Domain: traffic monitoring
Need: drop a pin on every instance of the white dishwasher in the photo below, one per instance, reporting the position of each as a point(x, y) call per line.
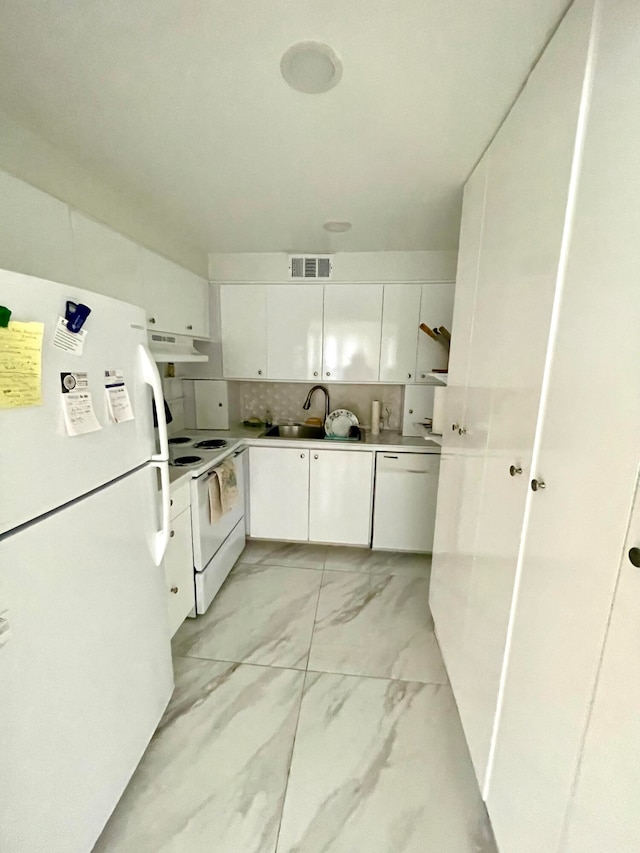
point(404, 514)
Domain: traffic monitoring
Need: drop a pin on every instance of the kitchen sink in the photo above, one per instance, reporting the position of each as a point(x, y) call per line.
point(311, 433)
point(303, 432)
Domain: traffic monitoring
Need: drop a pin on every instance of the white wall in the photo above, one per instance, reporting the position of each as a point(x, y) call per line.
point(346, 266)
point(31, 158)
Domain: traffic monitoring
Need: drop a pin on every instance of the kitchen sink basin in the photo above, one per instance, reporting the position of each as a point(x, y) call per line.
point(311, 433)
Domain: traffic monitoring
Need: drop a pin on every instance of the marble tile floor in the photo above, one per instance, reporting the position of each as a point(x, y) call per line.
point(311, 714)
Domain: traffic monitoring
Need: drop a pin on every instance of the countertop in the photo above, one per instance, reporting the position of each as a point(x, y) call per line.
point(254, 437)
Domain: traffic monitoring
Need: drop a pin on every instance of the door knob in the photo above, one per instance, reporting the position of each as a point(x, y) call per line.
point(513, 470)
point(172, 534)
point(189, 327)
point(259, 373)
point(538, 484)
point(152, 319)
point(174, 590)
point(454, 427)
point(462, 431)
point(634, 557)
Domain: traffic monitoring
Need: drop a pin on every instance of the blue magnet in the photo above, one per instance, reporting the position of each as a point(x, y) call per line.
point(75, 315)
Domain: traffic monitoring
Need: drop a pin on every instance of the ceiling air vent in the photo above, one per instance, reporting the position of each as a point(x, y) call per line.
point(307, 266)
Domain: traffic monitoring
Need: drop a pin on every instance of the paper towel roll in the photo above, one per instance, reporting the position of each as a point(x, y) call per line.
point(375, 417)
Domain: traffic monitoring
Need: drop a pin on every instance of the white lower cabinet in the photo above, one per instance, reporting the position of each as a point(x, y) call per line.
point(279, 493)
point(304, 495)
point(340, 496)
point(178, 570)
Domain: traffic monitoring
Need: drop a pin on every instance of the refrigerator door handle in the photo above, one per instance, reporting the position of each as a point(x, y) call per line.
point(161, 537)
point(151, 376)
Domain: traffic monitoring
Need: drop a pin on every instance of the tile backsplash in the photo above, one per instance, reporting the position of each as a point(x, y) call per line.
point(285, 399)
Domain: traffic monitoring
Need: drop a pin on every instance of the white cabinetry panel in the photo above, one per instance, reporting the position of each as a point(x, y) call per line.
point(405, 501)
point(436, 309)
point(400, 321)
point(340, 497)
point(352, 329)
point(294, 331)
point(178, 571)
point(243, 310)
point(279, 493)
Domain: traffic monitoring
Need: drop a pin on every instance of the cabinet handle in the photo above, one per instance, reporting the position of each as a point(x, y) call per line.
point(634, 557)
point(513, 470)
point(259, 373)
point(174, 590)
point(328, 374)
point(152, 319)
point(408, 376)
point(423, 376)
point(315, 372)
point(171, 502)
point(172, 534)
point(538, 484)
point(315, 455)
point(302, 456)
point(189, 327)
point(462, 431)
point(454, 427)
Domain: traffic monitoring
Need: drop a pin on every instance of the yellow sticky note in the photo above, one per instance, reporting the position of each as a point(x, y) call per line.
point(21, 365)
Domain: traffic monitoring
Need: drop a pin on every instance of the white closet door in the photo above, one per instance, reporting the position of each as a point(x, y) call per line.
point(352, 327)
point(243, 315)
point(400, 321)
point(577, 525)
point(605, 813)
point(526, 202)
point(294, 331)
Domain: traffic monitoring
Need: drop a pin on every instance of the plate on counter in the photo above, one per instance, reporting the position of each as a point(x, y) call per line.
point(339, 422)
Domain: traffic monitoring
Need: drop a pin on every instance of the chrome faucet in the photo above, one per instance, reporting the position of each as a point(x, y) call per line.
point(307, 403)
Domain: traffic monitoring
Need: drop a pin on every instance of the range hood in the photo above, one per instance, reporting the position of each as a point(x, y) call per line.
point(174, 348)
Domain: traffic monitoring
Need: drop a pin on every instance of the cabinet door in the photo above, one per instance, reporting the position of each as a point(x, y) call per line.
point(243, 315)
point(192, 314)
point(436, 309)
point(400, 321)
point(352, 327)
point(178, 571)
point(294, 331)
point(159, 292)
point(279, 493)
point(340, 497)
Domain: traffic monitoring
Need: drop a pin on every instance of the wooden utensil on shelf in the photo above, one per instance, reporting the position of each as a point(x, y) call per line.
point(437, 334)
point(445, 333)
point(428, 331)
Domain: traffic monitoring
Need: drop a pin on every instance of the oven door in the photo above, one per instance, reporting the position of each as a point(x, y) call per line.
point(208, 536)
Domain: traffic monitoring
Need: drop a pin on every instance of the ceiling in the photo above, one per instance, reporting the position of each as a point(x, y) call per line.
point(180, 103)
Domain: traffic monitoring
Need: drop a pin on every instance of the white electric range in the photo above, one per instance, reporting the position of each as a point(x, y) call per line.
point(216, 544)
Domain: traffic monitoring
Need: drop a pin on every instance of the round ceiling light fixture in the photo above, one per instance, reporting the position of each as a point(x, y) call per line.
point(337, 227)
point(311, 67)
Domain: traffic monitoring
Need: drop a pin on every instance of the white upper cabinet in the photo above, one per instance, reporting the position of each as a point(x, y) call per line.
point(352, 331)
point(106, 262)
point(175, 299)
point(294, 331)
point(400, 321)
point(243, 314)
point(436, 309)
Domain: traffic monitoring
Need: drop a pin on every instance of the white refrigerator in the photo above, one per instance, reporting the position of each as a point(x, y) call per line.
point(85, 663)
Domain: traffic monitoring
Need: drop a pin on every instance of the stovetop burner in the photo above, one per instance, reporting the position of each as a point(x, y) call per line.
point(211, 444)
point(187, 460)
point(180, 439)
